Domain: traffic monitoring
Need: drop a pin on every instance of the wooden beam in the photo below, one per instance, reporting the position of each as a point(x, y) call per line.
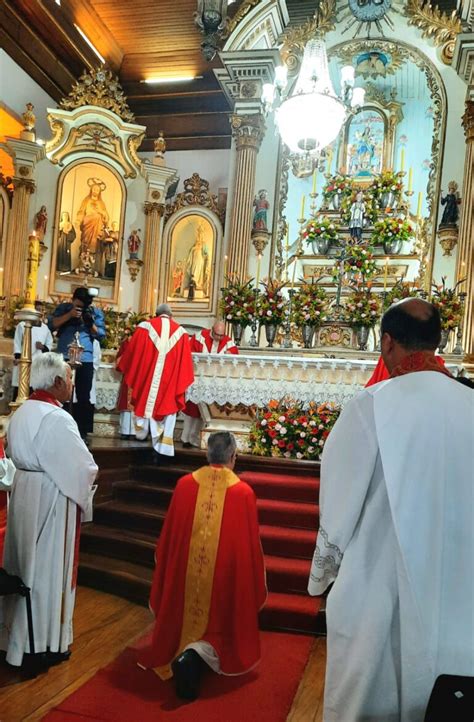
point(222, 142)
point(82, 13)
point(212, 102)
point(195, 125)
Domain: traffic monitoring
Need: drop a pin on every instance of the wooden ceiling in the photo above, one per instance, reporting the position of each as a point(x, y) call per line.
point(139, 39)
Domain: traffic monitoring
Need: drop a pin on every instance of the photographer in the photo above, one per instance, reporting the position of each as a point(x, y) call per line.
point(80, 315)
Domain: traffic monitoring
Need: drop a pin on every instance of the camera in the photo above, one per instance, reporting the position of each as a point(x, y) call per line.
point(88, 317)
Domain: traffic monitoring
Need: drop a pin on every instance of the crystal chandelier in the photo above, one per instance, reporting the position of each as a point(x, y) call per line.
point(310, 118)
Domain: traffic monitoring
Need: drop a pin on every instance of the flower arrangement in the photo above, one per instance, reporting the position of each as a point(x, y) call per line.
point(359, 260)
point(271, 304)
point(398, 292)
point(448, 303)
point(117, 324)
point(285, 428)
point(238, 301)
point(387, 182)
point(391, 229)
point(362, 308)
point(310, 305)
point(320, 228)
point(337, 185)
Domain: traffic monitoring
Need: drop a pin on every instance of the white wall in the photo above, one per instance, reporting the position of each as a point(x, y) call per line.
point(17, 89)
point(212, 165)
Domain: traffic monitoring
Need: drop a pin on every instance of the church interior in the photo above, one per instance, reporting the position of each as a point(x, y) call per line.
point(289, 167)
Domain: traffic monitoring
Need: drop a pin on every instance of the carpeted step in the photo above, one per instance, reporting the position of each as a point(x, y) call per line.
point(115, 576)
point(282, 486)
point(287, 513)
point(162, 475)
point(151, 493)
point(124, 544)
point(287, 575)
point(139, 517)
point(287, 542)
point(294, 612)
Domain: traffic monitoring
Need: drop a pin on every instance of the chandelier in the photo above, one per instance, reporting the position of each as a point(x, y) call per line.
point(310, 118)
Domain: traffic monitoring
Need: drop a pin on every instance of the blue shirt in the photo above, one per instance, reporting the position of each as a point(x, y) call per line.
point(65, 333)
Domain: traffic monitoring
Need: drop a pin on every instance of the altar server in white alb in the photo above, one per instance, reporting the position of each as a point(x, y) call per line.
point(52, 492)
point(207, 341)
point(396, 532)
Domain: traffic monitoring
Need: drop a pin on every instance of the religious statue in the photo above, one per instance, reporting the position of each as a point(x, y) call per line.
point(261, 206)
point(197, 264)
point(177, 275)
point(134, 242)
point(191, 288)
point(66, 237)
point(451, 200)
point(111, 246)
point(356, 222)
point(365, 149)
point(41, 223)
point(29, 118)
point(160, 146)
point(92, 218)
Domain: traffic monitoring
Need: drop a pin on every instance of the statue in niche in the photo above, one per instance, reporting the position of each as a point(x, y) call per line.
point(111, 246)
point(261, 206)
point(41, 223)
point(92, 218)
point(451, 202)
point(356, 221)
point(160, 145)
point(197, 266)
point(177, 278)
point(67, 236)
point(134, 242)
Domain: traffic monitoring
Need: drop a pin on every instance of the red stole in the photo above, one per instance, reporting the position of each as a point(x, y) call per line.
point(42, 395)
point(420, 361)
point(380, 372)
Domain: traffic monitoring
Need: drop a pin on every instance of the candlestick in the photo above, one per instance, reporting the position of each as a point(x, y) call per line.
point(302, 206)
point(32, 271)
point(294, 273)
point(225, 270)
point(385, 276)
point(420, 199)
point(314, 181)
point(259, 260)
point(410, 179)
point(1, 281)
point(402, 160)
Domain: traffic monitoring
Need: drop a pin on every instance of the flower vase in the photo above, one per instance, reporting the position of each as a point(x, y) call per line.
point(336, 201)
point(307, 333)
point(320, 246)
point(387, 200)
point(392, 247)
point(444, 339)
point(237, 331)
point(270, 333)
point(362, 333)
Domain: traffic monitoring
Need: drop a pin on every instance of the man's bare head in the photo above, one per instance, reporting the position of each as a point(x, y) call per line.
point(408, 326)
point(218, 330)
point(163, 310)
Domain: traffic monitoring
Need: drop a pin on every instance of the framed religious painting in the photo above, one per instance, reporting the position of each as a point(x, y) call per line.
point(364, 144)
point(87, 238)
point(193, 239)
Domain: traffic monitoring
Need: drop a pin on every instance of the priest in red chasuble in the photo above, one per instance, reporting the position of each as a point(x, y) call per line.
point(157, 365)
point(207, 341)
point(209, 580)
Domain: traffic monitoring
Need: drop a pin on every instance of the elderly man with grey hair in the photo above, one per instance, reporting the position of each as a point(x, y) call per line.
point(158, 367)
point(209, 580)
point(52, 491)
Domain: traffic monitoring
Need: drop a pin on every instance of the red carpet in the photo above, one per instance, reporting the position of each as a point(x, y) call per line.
point(124, 693)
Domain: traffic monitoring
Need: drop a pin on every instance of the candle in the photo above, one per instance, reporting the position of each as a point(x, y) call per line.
point(410, 180)
point(385, 276)
point(32, 270)
point(287, 249)
point(314, 182)
point(302, 206)
point(226, 258)
point(329, 160)
point(420, 199)
point(259, 260)
point(1, 281)
point(402, 160)
point(294, 273)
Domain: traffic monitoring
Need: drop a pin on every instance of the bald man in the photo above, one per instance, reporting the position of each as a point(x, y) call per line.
point(396, 534)
point(206, 341)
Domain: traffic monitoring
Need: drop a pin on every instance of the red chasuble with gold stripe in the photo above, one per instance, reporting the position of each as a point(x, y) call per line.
point(157, 365)
point(209, 580)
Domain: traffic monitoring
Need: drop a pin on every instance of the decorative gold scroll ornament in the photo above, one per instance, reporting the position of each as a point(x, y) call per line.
point(440, 27)
point(196, 193)
point(243, 10)
point(323, 22)
point(99, 87)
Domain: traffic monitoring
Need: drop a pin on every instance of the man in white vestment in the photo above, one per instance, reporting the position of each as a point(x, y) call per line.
point(52, 490)
point(396, 531)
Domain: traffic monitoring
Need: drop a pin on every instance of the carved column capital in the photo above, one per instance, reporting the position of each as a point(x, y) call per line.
point(27, 183)
point(151, 207)
point(248, 130)
point(468, 121)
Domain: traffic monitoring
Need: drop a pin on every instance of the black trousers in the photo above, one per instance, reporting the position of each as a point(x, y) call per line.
point(83, 410)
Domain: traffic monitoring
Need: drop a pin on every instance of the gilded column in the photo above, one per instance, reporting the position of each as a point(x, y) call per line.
point(248, 132)
point(151, 257)
point(16, 247)
point(465, 257)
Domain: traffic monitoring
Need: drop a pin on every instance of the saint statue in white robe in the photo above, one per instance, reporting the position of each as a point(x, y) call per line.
point(52, 488)
point(397, 539)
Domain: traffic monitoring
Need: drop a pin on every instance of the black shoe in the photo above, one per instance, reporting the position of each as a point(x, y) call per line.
point(186, 445)
point(53, 658)
point(187, 669)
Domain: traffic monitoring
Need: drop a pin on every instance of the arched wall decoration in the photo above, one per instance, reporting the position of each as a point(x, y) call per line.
point(91, 198)
point(192, 243)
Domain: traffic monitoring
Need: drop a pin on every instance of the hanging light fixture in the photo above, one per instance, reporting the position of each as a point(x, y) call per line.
point(311, 117)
